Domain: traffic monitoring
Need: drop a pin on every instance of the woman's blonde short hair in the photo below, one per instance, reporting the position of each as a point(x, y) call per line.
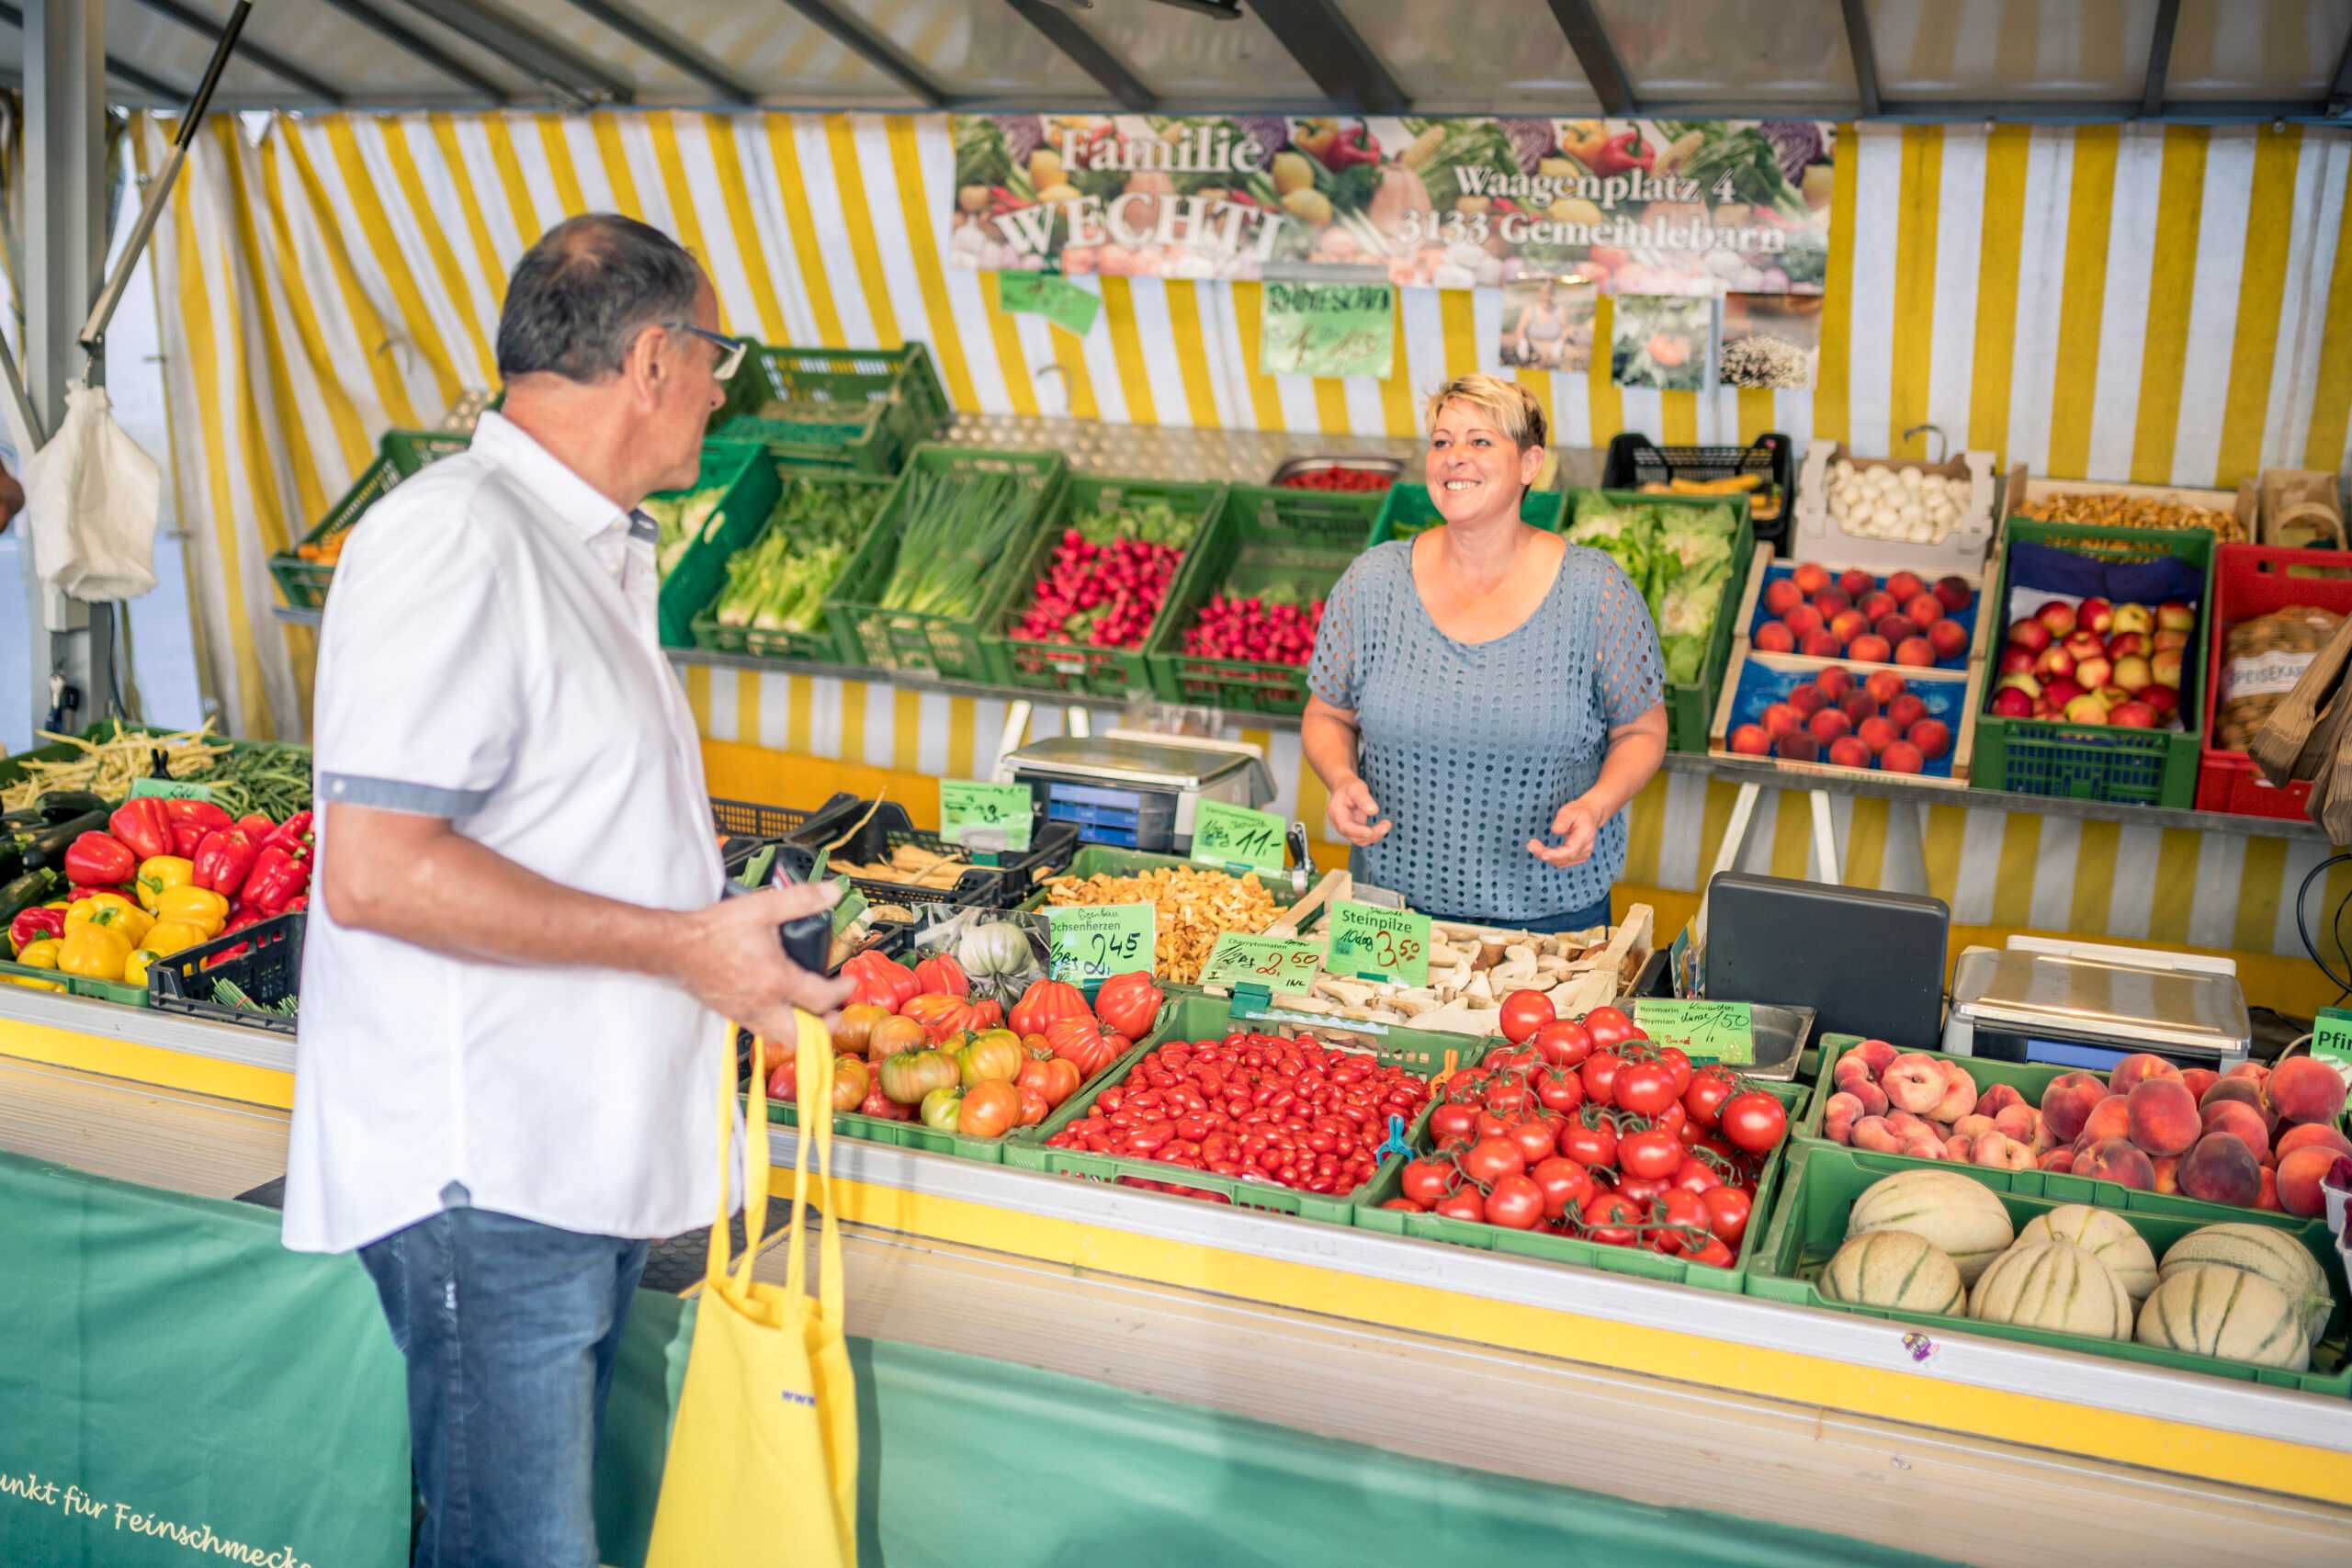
point(1510, 407)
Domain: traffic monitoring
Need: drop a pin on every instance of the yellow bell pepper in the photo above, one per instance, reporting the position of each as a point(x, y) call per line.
point(199, 906)
point(93, 952)
point(112, 909)
point(175, 936)
point(134, 969)
point(160, 874)
point(41, 954)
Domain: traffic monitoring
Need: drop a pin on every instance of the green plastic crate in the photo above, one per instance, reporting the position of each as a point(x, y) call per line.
point(910, 641)
point(1196, 1017)
point(1095, 671)
point(2130, 767)
point(1408, 510)
point(822, 645)
point(1638, 1261)
point(401, 454)
point(858, 408)
point(749, 480)
point(1261, 536)
point(1824, 1181)
point(73, 985)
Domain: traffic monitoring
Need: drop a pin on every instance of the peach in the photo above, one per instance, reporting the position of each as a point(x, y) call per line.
point(1904, 1123)
point(2240, 1121)
point(2199, 1080)
point(1914, 1082)
point(1959, 1093)
point(2245, 1091)
point(1782, 595)
point(1960, 1146)
point(2060, 1159)
point(1773, 636)
point(1850, 1069)
point(1874, 1098)
point(2268, 1197)
point(1804, 620)
point(1834, 683)
point(1871, 1132)
point(2137, 1069)
point(1808, 699)
point(2304, 1088)
point(2222, 1169)
point(2167, 1173)
point(2066, 1104)
point(2001, 1153)
point(1810, 578)
point(1922, 1145)
point(1822, 644)
point(2116, 1160)
point(1974, 1125)
point(2299, 1174)
point(1997, 1099)
point(2019, 1121)
point(2305, 1134)
point(1839, 1116)
point(2254, 1070)
point(2110, 1118)
point(1878, 1054)
point(2044, 1139)
point(2163, 1116)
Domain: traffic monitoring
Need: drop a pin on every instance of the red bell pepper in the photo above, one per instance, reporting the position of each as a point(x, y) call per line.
point(237, 922)
point(293, 834)
point(76, 891)
point(102, 859)
point(224, 860)
point(144, 826)
point(295, 905)
point(279, 874)
point(188, 836)
point(33, 925)
point(1618, 155)
point(1357, 146)
point(257, 826)
point(202, 811)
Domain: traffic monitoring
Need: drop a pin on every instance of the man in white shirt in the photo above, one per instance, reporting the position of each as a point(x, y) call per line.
point(514, 985)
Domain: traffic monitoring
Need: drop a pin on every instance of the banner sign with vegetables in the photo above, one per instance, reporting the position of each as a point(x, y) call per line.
point(1636, 206)
point(1326, 328)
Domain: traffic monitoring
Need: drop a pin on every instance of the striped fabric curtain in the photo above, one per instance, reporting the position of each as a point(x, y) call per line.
point(2140, 303)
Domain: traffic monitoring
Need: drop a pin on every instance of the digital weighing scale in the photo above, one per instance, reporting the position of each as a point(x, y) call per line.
point(2078, 1004)
point(1137, 790)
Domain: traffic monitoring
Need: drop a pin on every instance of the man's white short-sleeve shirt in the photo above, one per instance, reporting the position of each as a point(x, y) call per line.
point(489, 655)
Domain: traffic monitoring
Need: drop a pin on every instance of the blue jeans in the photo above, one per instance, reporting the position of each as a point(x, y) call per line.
point(509, 1329)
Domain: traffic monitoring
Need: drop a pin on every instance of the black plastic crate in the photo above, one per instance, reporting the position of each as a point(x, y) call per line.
point(269, 971)
point(1052, 845)
point(1635, 460)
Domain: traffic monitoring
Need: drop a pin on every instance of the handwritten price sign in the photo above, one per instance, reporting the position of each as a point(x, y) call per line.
point(1235, 835)
point(169, 789)
point(1278, 966)
point(1722, 1032)
point(1097, 941)
point(1379, 944)
point(985, 816)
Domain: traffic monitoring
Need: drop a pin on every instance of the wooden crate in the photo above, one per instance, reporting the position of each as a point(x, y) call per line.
point(2238, 508)
point(1966, 696)
point(1818, 536)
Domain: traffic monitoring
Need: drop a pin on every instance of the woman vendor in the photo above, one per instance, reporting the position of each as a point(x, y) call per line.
point(1485, 697)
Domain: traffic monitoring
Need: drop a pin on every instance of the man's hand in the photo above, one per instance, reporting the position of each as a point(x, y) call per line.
point(1351, 814)
point(1577, 826)
point(12, 498)
point(731, 961)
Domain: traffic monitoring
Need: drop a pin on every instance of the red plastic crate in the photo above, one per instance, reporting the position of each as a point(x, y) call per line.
point(2250, 581)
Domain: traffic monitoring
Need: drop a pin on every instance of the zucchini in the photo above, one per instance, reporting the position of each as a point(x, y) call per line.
point(31, 888)
point(12, 858)
point(65, 805)
point(48, 847)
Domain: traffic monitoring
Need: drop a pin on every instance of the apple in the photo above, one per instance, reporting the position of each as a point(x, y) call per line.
point(2136, 715)
point(1906, 586)
point(1828, 725)
point(2059, 692)
point(1848, 625)
point(2095, 615)
point(2176, 618)
point(2164, 668)
point(1949, 639)
point(2014, 659)
point(2055, 662)
point(1906, 710)
point(2133, 673)
point(1931, 735)
point(1903, 757)
point(1847, 753)
point(2084, 645)
point(2011, 702)
point(2111, 697)
point(2165, 639)
point(1857, 707)
point(1856, 582)
point(1803, 619)
point(2163, 699)
point(1810, 578)
point(1916, 651)
point(1883, 686)
point(1954, 593)
point(1774, 638)
point(1877, 605)
point(1782, 595)
point(1808, 699)
point(1829, 600)
point(1822, 644)
point(1751, 741)
point(2123, 644)
point(1877, 732)
point(2030, 633)
point(1800, 747)
point(2095, 671)
point(2134, 618)
point(2020, 681)
point(2087, 710)
point(1871, 649)
point(1925, 609)
point(1835, 682)
point(1780, 719)
point(2058, 615)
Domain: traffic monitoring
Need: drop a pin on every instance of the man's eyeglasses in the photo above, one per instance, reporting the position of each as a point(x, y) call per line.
point(731, 349)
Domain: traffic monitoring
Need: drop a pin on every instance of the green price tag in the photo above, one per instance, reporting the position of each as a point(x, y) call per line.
point(1065, 304)
point(1368, 943)
point(169, 789)
point(2332, 1035)
point(1095, 942)
point(1722, 1032)
point(985, 816)
point(1234, 835)
point(1261, 960)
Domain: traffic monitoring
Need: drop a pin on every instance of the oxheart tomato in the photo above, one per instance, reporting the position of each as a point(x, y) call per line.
point(1491, 1159)
point(1034, 1108)
point(1516, 1203)
point(882, 1107)
point(1754, 1121)
point(851, 1080)
point(1565, 1044)
point(1128, 1004)
point(1566, 1185)
point(1610, 1027)
point(1590, 1143)
point(1651, 1155)
point(1599, 1072)
point(1524, 1012)
point(1704, 1101)
point(1644, 1088)
point(990, 1109)
point(1534, 1140)
point(1728, 1212)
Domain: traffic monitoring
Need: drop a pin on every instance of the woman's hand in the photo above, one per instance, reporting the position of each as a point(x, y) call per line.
point(1351, 814)
point(1577, 826)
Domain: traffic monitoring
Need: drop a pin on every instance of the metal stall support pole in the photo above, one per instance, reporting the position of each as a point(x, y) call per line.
point(64, 256)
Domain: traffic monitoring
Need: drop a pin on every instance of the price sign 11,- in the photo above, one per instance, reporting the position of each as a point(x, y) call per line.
point(1095, 942)
point(1226, 835)
point(985, 816)
point(1278, 966)
point(1371, 944)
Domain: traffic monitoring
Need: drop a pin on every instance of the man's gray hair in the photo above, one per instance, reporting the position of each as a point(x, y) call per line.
point(581, 295)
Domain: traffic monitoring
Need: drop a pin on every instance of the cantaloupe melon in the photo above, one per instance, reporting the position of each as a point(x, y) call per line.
point(1893, 1268)
point(2106, 1236)
point(2268, 1253)
point(1960, 1216)
point(2053, 1285)
point(2211, 1308)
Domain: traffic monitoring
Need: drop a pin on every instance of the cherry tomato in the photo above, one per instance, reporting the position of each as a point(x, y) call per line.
point(1565, 1044)
point(1644, 1088)
point(1491, 1159)
point(1710, 1087)
point(1464, 1206)
point(1524, 1012)
point(1651, 1155)
point(1516, 1203)
point(1599, 1073)
point(1610, 1027)
point(1534, 1140)
point(1754, 1121)
point(1728, 1212)
point(1589, 1142)
point(1566, 1185)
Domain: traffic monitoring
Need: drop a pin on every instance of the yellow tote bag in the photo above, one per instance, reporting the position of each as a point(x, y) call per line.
point(763, 1465)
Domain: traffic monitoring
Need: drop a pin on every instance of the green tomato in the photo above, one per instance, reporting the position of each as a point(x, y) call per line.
point(940, 1109)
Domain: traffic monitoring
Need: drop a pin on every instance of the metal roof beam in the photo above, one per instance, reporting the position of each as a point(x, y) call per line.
point(156, 86)
point(663, 46)
point(416, 43)
point(1597, 55)
point(1858, 45)
point(270, 60)
point(2339, 95)
point(876, 51)
point(1087, 52)
point(526, 48)
point(1329, 49)
point(2152, 99)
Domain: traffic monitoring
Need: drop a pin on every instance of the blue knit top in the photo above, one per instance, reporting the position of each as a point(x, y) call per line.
point(1470, 748)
